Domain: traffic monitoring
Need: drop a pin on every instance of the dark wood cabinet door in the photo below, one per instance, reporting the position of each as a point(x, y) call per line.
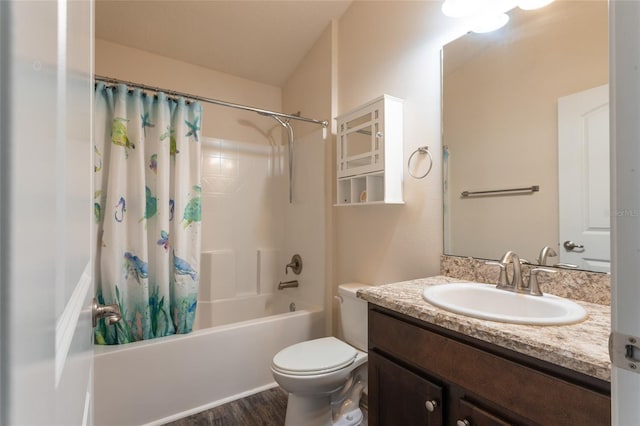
point(399, 397)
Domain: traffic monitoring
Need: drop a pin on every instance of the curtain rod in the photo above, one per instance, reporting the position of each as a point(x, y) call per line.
point(261, 111)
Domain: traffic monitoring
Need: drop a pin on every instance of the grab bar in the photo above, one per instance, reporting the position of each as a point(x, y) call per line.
point(534, 188)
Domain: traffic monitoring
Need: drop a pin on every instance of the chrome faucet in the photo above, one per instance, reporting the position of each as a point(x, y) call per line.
point(544, 253)
point(516, 284)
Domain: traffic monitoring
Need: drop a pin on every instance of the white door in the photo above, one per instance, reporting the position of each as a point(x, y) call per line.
point(45, 184)
point(624, 18)
point(583, 179)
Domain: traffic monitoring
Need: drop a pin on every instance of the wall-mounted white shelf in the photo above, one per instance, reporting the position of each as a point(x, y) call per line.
point(369, 153)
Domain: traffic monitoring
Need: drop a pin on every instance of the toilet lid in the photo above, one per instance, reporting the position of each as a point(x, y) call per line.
point(314, 357)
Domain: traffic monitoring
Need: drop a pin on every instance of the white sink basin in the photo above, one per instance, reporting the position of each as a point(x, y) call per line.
point(484, 301)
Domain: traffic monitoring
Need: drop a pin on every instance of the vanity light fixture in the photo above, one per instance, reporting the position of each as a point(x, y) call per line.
point(533, 4)
point(469, 8)
point(487, 15)
point(490, 22)
point(462, 8)
point(490, 15)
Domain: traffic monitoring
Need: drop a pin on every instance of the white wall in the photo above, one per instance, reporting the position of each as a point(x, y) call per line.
point(304, 225)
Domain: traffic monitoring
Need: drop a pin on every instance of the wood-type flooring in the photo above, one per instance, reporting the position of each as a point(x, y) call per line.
point(266, 408)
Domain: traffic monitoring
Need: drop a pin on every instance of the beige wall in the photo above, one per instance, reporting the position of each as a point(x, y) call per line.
point(122, 62)
point(394, 48)
point(380, 47)
point(309, 89)
point(501, 125)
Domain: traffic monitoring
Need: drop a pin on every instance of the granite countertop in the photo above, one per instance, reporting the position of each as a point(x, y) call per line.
point(580, 347)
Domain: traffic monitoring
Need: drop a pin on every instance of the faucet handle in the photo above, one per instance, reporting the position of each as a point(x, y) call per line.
point(295, 265)
point(544, 254)
point(502, 278)
point(534, 287)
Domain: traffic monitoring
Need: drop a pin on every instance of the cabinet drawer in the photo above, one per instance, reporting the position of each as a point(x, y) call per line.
point(476, 416)
point(522, 390)
point(400, 397)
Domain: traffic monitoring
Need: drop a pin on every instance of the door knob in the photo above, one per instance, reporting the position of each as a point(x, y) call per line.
point(111, 313)
point(570, 245)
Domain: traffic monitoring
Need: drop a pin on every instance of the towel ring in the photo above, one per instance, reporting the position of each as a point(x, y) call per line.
point(421, 150)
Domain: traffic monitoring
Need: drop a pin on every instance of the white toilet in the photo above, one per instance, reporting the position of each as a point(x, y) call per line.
point(325, 377)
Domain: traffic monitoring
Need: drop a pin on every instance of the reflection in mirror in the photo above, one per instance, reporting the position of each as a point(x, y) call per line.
point(507, 98)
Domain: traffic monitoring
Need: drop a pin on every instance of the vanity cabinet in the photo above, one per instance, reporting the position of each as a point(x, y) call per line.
point(369, 153)
point(408, 398)
point(422, 374)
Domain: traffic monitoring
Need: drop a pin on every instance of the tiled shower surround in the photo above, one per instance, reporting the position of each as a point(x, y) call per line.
point(243, 205)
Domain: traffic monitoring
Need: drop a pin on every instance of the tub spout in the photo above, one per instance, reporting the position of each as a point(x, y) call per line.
point(287, 284)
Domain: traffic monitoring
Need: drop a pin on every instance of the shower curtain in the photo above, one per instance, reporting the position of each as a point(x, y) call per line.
point(147, 212)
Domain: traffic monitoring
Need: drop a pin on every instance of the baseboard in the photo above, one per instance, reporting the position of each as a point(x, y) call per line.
point(211, 405)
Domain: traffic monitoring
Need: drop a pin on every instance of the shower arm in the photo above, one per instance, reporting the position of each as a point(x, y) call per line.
point(289, 128)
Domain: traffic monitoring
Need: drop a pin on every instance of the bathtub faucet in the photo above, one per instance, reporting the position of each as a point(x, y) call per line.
point(287, 284)
point(110, 313)
point(295, 265)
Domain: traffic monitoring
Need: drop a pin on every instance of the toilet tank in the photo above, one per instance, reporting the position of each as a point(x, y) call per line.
point(353, 315)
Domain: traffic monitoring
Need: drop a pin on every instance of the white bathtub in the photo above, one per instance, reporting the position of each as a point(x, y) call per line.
point(160, 380)
point(239, 309)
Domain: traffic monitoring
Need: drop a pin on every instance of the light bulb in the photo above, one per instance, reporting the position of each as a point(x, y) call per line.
point(533, 4)
point(461, 8)
point(490, 22)
point(465, 8)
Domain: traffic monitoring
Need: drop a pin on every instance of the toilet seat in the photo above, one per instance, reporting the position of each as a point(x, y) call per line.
point(313, 357)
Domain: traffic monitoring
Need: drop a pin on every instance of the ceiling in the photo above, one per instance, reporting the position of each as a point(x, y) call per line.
point(261, 40)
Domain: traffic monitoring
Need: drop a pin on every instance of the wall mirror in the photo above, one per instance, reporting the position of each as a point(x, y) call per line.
point(527, 106)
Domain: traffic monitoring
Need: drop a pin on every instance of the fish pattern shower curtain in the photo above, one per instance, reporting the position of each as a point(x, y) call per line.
point(147, 212)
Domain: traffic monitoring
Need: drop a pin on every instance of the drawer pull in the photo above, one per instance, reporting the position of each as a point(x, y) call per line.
point(431, 405)
point(463, 422)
